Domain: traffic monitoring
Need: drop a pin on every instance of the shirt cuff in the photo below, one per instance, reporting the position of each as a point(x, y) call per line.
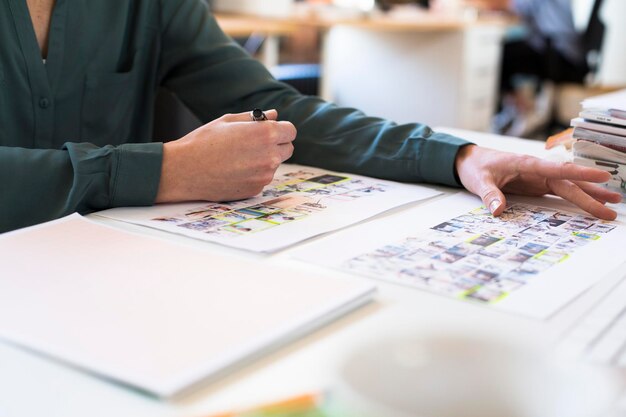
point(438, 159)
point(136, 174)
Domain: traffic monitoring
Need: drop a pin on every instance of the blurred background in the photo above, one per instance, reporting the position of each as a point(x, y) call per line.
point(513, 67)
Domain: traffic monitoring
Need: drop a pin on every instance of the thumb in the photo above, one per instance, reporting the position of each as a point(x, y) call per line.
point(493, 198)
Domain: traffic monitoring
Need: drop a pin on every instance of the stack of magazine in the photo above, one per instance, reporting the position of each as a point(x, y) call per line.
point(600, 136)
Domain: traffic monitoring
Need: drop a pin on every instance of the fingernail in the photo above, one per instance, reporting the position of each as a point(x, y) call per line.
point(494, 205)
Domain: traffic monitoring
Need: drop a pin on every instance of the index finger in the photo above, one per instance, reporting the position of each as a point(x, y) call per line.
point(270, 131)
point(561, 170)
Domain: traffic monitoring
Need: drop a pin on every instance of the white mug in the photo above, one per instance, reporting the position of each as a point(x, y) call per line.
point(464, 376)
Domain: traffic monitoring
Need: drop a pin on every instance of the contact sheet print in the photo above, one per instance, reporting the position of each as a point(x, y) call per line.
point(531, 260)
point(301, 202)
point(481, 257)
point(292, 196)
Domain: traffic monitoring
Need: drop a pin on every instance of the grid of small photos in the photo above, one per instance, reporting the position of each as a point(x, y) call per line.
point(483, 258)
point(290, 197)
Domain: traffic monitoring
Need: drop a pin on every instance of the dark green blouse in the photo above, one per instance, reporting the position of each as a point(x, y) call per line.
point(76, 133)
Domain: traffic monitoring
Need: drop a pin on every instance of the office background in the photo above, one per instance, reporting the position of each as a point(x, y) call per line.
point(402, 61)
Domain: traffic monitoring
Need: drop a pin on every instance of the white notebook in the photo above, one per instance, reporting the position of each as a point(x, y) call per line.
point(155, 315)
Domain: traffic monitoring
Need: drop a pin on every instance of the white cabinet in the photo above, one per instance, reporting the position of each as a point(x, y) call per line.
point(444, 77)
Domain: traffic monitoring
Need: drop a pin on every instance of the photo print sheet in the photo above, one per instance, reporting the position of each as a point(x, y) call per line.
point(532, 260)
point(301, 202)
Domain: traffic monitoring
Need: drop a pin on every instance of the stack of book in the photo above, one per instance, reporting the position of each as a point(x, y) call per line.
point(600, 136)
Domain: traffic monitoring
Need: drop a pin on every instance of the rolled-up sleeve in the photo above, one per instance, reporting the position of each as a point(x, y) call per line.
point(43, 184)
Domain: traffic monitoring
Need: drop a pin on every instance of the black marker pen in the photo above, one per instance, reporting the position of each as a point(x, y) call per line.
point(258, 115)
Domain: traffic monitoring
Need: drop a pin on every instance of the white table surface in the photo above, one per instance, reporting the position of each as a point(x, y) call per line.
point(34, 386)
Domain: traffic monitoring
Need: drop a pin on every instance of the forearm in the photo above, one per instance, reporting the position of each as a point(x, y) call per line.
point(345, 139)
point(39, 185)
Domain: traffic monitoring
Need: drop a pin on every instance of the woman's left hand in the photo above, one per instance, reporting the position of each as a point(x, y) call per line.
point(489, 174)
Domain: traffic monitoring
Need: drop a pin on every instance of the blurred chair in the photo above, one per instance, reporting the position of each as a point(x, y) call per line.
point(563, 84)
point(303, 77)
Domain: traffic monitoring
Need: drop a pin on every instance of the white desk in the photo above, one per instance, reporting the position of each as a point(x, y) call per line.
point(33, 386)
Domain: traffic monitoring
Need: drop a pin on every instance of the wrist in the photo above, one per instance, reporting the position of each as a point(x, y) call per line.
point(170, 185)
point(464, 153)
